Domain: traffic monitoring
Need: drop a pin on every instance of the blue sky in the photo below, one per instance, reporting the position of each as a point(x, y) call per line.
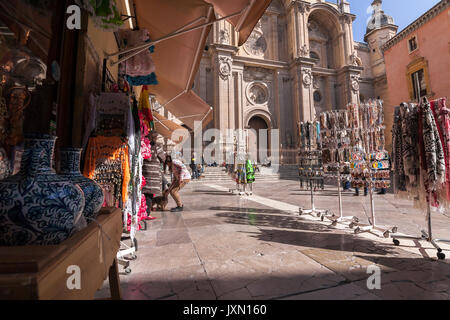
point(403, 11)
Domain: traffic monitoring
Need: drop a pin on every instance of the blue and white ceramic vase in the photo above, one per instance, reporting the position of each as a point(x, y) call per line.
point(37, 206)
point(70, 168)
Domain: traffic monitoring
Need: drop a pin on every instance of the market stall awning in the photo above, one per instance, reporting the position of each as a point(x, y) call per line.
point(176, 59)
point(179, 30)
point(167, 128)
point(192, 108)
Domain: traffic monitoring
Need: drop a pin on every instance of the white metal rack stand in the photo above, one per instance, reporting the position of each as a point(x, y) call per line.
point(351, 220)
point(126, 250)
point(313, 211)
point(360, 228)
point(426, 235)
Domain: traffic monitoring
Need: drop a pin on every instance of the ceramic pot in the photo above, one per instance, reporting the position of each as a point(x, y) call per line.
point(37, 206)
point(93, 193)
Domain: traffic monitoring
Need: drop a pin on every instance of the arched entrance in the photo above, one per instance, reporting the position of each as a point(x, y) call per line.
point(326, 44)
point(255, 124)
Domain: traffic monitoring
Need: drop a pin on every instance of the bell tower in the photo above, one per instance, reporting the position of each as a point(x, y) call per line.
point(380, 29)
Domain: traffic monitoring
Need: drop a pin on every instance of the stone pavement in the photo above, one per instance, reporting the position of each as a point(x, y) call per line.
point(228, 247)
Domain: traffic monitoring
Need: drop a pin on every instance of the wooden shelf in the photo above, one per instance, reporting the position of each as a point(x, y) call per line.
point(40, 272)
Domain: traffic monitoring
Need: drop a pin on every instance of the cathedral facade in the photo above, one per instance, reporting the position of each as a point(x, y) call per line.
point(300, 60)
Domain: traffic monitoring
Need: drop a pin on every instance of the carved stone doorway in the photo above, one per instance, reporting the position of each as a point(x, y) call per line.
point(257, 125)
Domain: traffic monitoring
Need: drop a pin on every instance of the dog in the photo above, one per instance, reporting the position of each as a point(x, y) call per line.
point(161, 201)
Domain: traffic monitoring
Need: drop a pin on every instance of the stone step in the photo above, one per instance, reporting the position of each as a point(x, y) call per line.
point(258, 178)
point(217, 174)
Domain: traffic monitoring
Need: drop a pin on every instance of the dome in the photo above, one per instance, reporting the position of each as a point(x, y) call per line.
point(379, 19)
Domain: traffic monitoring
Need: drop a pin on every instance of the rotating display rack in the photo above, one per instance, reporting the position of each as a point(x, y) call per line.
point(371, 172)
point(336, 151)
point(310, 164)
point(369, 159)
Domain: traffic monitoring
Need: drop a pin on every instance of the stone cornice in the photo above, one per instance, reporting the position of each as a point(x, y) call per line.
point(302, 61)
point(260, 62)
point(324, 72)
point(350, 69)
point(224, 48)
point(430, 14)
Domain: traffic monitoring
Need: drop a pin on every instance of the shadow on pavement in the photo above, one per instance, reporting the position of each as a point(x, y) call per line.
point(248, 210)
point(264, 220)
point(324, 240)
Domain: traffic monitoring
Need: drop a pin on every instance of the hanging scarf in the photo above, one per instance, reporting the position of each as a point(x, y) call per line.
point(101, 149)
point(397, 147)
point(434, 153)
point(442, 117)
point(410, 138)
point(145, 108)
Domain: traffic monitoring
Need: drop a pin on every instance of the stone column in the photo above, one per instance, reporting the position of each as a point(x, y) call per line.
point(296, 89)
point(346, 42)
point(202, 80)
point(304, 90)
point(341, 43)
point(350, 77)
point(347, 38)
point(293, 26)
point(347, 25)
point(274, 33)
point(278, 93)
point(328, 100)
point(238, 72)
point(302, 30)
point(226, 94)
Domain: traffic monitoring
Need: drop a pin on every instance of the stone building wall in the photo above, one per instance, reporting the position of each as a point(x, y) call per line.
point(300, 60)
point(432, 55)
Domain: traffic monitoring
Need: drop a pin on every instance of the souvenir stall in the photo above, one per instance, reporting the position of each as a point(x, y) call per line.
point(336, 155)
point(47, 72)
point(369, 160)
point(421, 149)
point(122, 147)
point(310, 163)
point(51, 216)
point(111, 155)
point(121, 151)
